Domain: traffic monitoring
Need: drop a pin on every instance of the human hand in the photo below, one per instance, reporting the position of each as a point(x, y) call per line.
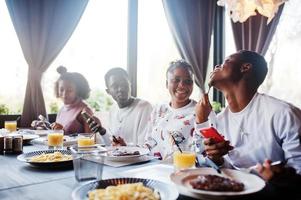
point(118, 141)
point(202, 109)
point(56, 126)
point(216, 150)
point(94, 124)
point(267, 170)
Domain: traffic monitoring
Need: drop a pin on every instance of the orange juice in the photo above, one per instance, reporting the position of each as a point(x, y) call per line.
point(184, 160)
point(11, 126)
point(55, 139)
point(85, 141)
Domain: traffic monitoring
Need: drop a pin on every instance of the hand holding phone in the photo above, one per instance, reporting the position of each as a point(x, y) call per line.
point(212, 133)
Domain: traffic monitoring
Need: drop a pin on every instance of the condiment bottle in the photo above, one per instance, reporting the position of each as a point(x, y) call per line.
point(90, 120)
point(8, 144)
point(1, 144)
point(18, 144)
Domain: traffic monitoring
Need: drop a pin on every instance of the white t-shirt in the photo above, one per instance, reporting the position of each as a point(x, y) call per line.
point(267, 128)
point(166, 121)
point(130, 122)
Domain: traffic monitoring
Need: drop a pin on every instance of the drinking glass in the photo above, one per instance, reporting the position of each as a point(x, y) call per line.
point(184, 160)
point(88, 162)
point(85, 139)
point(11, 126)
point(55, 139)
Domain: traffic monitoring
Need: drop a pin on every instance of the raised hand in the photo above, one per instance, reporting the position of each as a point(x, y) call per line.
point(202, 109)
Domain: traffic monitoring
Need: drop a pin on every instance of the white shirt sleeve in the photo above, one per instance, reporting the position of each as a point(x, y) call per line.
point(289, 133)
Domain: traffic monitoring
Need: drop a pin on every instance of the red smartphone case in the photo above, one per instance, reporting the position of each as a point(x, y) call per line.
point(212, 133)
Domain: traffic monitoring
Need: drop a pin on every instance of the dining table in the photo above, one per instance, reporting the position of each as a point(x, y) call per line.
point(19, 180)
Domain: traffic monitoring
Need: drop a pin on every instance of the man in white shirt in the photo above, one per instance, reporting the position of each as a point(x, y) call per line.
point(128, 119)
point(260, 128)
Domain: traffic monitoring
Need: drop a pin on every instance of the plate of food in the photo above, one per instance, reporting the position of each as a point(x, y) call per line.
point(125, 153)
point(127, 188)
point(207, 183)
point(48, 158)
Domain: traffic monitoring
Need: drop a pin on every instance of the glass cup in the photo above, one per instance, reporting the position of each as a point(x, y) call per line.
point(184, 160)
point(85, 139)
point(55, 139)
point(88, 162)
point(11, 126)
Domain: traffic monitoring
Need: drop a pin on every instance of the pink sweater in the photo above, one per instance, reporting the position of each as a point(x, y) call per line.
point(68, 114)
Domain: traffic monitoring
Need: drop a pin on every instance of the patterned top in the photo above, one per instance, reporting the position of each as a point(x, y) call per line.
point(166, 121)
point(68, 114)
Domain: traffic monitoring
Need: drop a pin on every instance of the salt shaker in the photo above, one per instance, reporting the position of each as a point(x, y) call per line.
point(18, 144)
point(8, 144)
point(1, 144)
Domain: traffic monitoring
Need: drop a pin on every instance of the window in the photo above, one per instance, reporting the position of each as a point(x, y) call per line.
point(283, 56)
point(156, 48)
point(13, 65)
point(98, 43)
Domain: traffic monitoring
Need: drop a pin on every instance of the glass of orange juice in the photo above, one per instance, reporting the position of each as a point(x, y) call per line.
point(184, 160)
point(11, 126)
point(85, 139)
point(55, 139)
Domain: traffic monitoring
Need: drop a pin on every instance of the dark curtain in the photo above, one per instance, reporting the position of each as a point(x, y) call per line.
point(43, 28)
point(255, 34)
point(191, 23)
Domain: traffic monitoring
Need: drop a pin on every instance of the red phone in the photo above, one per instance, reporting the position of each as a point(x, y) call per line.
point(212, 133)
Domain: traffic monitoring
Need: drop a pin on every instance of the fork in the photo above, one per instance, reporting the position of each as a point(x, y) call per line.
point(252, 168)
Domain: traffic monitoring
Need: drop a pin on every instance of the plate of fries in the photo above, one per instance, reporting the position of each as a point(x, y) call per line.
point(48, 158)
point(125, 188)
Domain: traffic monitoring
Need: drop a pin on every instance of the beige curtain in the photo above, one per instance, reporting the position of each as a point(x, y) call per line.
point(43, 28)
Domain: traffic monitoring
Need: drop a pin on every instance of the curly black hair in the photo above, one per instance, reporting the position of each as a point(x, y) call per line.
point(258, 62)
point(80, 82)
point(178, 63)
point(115, 71)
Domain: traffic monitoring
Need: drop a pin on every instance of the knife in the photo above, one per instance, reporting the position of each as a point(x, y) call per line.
point(213, 165)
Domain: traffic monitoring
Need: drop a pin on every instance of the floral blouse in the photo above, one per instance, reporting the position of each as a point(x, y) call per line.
point(166, 122)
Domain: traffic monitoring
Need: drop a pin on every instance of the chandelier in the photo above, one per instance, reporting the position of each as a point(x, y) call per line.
point(241, 10)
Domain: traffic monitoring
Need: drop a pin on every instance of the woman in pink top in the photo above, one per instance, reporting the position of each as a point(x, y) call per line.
point(72, 88)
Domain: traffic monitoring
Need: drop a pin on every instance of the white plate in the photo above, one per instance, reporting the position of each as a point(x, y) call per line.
point(166, 191)
point(27, 136)
point(68, 141)
point(181, 179)
point(25, 157)
point(35, 132)
point(110, 157)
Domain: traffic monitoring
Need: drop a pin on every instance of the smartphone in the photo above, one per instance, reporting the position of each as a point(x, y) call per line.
point(212, 133)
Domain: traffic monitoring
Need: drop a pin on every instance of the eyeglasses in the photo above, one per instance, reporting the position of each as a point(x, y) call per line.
point(177, 80)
